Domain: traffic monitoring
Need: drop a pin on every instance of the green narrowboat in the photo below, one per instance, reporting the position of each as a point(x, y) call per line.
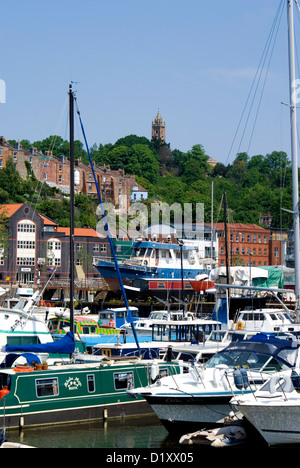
point(76, 392)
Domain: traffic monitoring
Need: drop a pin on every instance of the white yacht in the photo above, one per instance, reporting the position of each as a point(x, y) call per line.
point(200, 398)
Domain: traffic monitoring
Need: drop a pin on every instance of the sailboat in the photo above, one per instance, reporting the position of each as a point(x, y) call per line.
point(72, 390)
point(274, 410)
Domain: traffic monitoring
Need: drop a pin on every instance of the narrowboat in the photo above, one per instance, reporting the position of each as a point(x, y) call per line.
point(76, 392)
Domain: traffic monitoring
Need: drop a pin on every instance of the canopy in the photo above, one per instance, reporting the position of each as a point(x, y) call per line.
point(65, 345)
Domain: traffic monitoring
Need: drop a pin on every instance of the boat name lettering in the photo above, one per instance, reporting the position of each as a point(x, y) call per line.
point(73, 383)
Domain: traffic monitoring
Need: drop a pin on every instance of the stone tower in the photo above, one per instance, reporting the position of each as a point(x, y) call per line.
point(159, 127)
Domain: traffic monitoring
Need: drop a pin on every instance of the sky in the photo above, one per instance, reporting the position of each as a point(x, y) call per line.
point(194, 60)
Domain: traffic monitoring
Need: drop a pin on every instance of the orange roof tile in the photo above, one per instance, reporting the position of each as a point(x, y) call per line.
point(10, 209)
point(47, 221)
point(80, 232)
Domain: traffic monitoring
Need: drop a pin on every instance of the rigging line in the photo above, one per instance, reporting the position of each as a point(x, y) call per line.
point(264, 84)
point(39, 185)
point(261, 72)
point(253, 82)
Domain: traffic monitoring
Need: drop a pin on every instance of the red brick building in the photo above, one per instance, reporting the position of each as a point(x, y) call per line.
point(248, 243)
point(115, 186)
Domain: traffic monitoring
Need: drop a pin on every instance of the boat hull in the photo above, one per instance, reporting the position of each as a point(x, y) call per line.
point(278, 424)
point(190, 413)
point(162, 288)
point(78, 414)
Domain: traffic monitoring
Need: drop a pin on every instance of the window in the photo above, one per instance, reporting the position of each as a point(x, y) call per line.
point(22, 244)
point(26, 261)
point(91, 383)
point(26, 227)
point(46, 387)
point(123, 380)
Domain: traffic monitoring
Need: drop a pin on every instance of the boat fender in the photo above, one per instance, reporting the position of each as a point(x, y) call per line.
point(154, 371)
point(193, 374)
point(240, 378)
point(280, 383)
point(295, 378)
point(219, 374)
point(4, 391)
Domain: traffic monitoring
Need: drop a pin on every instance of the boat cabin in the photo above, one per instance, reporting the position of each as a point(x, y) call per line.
point(83, 325)
point(117, 317)
point(265, 320)
point(193, 331)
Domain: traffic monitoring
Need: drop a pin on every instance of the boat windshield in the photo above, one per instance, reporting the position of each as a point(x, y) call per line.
point(258, 358)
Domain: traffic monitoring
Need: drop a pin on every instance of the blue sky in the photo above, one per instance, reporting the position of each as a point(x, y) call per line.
point(195, 60)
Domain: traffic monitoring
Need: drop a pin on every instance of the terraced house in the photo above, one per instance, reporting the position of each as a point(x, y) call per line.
point(37, 246)
point(115, 186)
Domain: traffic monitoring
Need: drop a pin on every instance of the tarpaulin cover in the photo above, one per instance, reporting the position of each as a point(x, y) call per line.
point(65, 345)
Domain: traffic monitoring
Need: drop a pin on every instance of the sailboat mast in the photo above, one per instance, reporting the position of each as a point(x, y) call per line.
point(293, 122)
point(72, 201)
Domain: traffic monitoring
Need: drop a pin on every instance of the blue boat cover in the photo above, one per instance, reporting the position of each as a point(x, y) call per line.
point(65, 345)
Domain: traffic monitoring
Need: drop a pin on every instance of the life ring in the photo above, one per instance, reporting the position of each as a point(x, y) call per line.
point(111, 323)
point(240, 326)
point(24, 368)
point(48, 304)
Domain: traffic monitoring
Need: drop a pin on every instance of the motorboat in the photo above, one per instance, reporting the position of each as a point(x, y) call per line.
point(274, 409)
point(201, 397)
point(144, 326)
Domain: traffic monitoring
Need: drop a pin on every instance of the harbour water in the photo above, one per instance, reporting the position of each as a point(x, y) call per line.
point(141, 432)
point(117, 437)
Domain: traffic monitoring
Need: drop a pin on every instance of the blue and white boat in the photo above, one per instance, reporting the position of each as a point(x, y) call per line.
point(154, 260)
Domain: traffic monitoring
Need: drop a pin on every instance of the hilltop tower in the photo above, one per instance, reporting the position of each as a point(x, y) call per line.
point(159, 127)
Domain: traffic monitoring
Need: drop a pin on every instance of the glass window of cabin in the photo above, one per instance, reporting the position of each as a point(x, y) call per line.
point(86, 330)
point(46, 387)
point(91, 383)
point(123, 380)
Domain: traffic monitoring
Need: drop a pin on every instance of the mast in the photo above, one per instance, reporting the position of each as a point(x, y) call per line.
point(294, 155)
point(226, 238)
point(72, 200)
